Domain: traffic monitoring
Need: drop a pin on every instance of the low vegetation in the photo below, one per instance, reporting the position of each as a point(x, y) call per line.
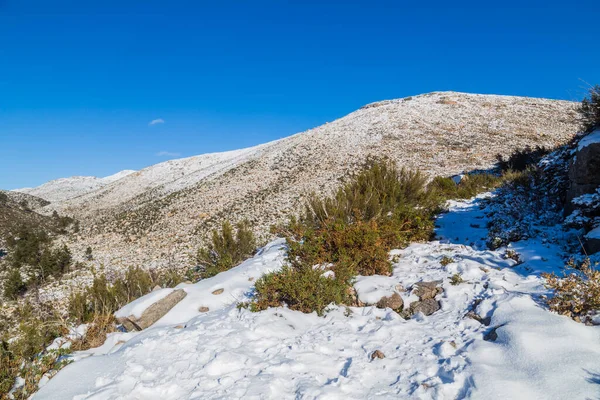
point(226, 249)
point(576, 294)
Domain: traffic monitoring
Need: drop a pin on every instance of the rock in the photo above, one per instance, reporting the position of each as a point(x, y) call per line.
point(394, 302)
point(153, 313)
point(492, 335)
point(427, 290)
point(203, 309)
point(218, 291)
point(427, 306)
point(156, 288)
point(583, 172)
point(377, 354)
point(485, 321)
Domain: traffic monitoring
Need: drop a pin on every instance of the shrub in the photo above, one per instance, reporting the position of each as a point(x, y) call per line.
point(590, 109)
point(14, 285)
point(456, 279)
point(443, 188)
point(446, 260)
point(577, 293)
point(305, 290)
point(95, 334)
point(350, 233)
point(521, 159)
point(226, 249)
point(88, 253)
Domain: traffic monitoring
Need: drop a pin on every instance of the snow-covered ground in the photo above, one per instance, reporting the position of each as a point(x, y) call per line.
point(525, 352)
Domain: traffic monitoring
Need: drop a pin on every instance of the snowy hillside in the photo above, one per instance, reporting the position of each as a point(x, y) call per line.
point(67, 188)
point(490, 339)
point(164, 212)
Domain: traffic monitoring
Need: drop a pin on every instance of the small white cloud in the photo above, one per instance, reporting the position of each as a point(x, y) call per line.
point(167, 154)
point(156, 121)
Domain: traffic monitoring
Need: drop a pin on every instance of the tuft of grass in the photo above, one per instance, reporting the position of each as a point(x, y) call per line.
point(456, 279)
point(446, 260)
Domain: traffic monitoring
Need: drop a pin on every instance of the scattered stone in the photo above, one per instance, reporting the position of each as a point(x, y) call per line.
point(153, 313)
point(203, 309)
point(218, 291)
point(394, 302)
point(427, 290)
point(427, 306)
point(250, 279)
point(485, 321)
point(179, 327)
point(377, 354)
point(156, 288)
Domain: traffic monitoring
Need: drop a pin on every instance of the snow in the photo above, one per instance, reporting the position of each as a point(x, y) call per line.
point(67, 188)
point(282, 354)
point(592, 138)
point(594, 233)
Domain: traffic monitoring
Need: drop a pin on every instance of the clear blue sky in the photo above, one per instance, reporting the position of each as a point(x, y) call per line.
point(81, 81)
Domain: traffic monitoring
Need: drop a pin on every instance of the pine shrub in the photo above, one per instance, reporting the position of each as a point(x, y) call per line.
point(226, 249)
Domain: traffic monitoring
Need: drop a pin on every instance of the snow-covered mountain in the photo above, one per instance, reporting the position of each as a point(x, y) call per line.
point(67, 188)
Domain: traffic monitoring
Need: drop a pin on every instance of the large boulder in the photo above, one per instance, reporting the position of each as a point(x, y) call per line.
point(133, 319)
point(584, 170)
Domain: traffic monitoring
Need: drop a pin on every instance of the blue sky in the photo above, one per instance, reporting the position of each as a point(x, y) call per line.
point(80, 82)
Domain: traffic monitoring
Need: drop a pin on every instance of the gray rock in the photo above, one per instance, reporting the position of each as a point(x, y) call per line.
point(427, 306)
point(153, 313)
point(427, 290)
point(584, 175)
point(394, 302)
point(218, 291)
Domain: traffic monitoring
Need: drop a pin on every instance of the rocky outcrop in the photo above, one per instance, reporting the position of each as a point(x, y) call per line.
point(584, 171)
point(584, 178)
point(153, 313)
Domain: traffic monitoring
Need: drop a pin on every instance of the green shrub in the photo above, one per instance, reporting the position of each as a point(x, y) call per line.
point(590, 109)
point(226, 249)
point(14, 285)
point(456, 279)
point(443, 188)
point(305, 290)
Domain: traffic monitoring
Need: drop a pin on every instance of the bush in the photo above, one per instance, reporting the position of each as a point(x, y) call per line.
point(576, 294)
point(14, 285)
point(226, 250)
point(590, 109)
point(350, 233)
point(305, 290)
point(443, 188)
point(522, 159)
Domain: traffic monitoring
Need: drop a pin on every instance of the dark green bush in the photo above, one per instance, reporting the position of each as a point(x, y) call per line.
point(305, 290)
point(226, 249)
point(590, 109)
point(521, 159)
point(14, 285)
